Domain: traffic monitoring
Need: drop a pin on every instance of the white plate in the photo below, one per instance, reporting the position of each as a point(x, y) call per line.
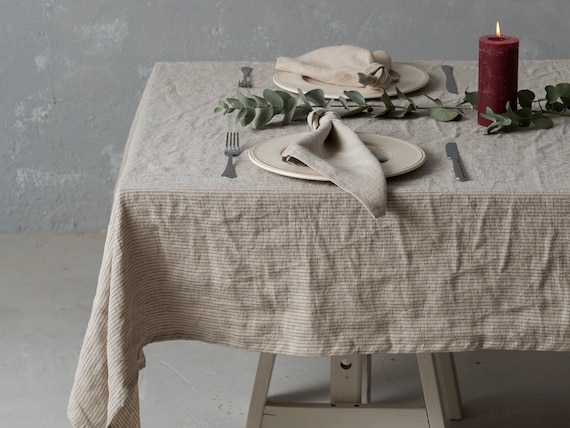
point(401, 156)
point(411, 79)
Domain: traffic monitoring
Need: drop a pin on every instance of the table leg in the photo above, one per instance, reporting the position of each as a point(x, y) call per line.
point(445, 364)
point(260, 390)
point(433, 395)
point(350, 379)
point(441, 391)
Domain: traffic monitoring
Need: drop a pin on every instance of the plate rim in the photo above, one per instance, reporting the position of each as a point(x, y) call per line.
point(314, 176)
point(332, 91)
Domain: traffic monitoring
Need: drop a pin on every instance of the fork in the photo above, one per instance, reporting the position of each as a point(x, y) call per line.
point(245, 83)
point(232, 149)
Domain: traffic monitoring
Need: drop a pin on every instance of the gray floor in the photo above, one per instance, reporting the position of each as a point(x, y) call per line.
point(47, 284)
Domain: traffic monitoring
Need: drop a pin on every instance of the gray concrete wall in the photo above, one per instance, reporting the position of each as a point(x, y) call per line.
point(72, 72)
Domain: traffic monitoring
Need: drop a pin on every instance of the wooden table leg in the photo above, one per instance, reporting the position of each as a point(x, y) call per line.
point(260, 390)
point(350, 379)
point(441, 391)
point(453, 404)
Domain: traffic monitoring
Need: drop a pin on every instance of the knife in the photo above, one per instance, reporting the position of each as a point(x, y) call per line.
point(453, 154)
point(450, 84)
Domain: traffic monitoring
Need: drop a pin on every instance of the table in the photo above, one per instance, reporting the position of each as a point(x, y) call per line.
point(285, 266)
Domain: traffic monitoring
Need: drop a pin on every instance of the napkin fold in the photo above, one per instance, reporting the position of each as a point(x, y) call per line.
point(343, 65)
point(335, 151)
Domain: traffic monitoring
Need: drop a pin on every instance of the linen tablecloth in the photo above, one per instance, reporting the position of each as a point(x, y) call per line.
point(276, 264)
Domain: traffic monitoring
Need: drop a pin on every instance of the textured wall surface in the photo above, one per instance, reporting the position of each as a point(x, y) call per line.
point(72, 73)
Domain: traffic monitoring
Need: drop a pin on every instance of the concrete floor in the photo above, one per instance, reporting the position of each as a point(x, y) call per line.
point(47, 284)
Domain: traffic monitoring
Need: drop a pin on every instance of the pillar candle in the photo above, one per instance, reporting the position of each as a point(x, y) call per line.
point(498, 73)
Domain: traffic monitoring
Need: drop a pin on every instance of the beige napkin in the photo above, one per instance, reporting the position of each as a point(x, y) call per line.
point(336, 152)
point(343, 65)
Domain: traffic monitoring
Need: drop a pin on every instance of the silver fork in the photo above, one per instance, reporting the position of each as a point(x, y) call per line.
point(245, 83)
point(232, 149)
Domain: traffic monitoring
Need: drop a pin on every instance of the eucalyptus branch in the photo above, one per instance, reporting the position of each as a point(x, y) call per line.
point(557, 104)
point(260, 110)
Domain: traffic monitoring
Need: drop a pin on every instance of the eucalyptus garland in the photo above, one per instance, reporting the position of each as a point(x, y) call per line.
point(260, 110)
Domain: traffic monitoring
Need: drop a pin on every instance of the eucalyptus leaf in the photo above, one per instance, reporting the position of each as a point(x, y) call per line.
point(551, 94)
point(317, 97)
point(235, 103)
point(511, 114)
point(557, 107)
point(381, 112)
point(344, 102)
point(524, 113)
point(388, 102)
point(260, 102)
point(493, 127)
point(563, 90)
point(245, 116)
point(356, 97)
point(289, 103)
point(542, 122)
point(502, 126)
point(442, 114)
point(284, 95)
point(411, 108)
point(305, 100)
point(411, 103)
point(401, 95)
point(471, 98)
point(501, 122)
point(491, 115)
point(397, 114)
point(273, 99)
point(524, 116)
point(264, 115)
point(246, 102)
point(437, 101)
point(524, 123)
point(289, 110)
point(355, 111)
point(526, 98)
point(222, 106)
point(301, 112)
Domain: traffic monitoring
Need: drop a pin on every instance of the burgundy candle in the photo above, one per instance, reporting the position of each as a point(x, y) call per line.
point(498, 73)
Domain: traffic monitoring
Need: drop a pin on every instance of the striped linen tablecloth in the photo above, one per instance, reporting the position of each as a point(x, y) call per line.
point(288, 266)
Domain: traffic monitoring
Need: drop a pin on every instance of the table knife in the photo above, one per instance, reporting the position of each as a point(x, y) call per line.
point(450, 84)
point(453, 154)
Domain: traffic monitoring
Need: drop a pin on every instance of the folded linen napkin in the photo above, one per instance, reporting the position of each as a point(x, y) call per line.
point(336, 152)
point(343, 65)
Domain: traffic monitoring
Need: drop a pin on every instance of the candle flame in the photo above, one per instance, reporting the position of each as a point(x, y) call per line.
point(498, 29)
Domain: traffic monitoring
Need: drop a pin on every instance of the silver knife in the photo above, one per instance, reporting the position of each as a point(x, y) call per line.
point(450, 84)
point(453, 154)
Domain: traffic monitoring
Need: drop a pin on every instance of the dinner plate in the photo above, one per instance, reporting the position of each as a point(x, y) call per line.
point(411, 79)
point(397, 156)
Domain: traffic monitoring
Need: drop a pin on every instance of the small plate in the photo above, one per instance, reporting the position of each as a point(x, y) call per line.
point(411, 79)
point(398, 156)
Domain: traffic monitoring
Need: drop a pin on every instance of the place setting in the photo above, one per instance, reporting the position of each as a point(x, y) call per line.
point(336, 69)
point(357, 162)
